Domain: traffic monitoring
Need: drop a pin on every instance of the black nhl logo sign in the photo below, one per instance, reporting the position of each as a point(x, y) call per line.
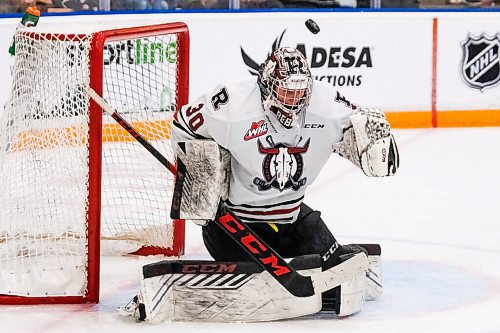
point(481, 61)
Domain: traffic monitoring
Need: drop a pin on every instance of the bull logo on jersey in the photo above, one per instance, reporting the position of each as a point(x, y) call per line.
point(481, 61)
point(282, 167)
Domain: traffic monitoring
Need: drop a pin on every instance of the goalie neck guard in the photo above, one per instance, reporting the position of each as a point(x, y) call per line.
point(285, 83)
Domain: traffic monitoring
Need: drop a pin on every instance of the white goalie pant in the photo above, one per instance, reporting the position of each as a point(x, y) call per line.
point(210, 291)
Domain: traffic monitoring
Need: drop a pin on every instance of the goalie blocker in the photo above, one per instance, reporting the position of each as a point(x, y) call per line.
point(202, 180)
point(211, 291)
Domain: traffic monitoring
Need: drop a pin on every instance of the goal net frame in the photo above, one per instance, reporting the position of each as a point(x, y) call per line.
point(95, 158)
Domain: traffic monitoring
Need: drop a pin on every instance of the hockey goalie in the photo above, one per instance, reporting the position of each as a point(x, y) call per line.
point(246, 154)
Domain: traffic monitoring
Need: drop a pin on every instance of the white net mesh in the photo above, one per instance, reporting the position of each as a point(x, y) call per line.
point(44, 156)
point(140, 81)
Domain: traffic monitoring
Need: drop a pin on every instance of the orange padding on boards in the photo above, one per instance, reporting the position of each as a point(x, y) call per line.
point(77, 135)
point(423, 119)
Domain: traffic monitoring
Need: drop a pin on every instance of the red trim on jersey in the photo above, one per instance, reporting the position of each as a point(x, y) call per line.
point(267, 212)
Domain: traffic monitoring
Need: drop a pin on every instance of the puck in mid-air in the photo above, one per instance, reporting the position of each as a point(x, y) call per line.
point(312, 26)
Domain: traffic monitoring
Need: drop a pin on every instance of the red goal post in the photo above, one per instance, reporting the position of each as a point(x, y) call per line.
point(69, 175)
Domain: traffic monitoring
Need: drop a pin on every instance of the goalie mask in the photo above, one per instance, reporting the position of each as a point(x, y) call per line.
point(285, 83)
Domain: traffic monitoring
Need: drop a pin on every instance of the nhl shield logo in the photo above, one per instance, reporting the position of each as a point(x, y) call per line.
point(481, 61)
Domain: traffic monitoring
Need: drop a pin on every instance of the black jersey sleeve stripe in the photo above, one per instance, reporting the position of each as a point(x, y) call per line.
point(184, 122)
point(194, 135)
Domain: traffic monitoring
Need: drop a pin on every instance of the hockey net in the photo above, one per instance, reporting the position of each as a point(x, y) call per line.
point(69, 173)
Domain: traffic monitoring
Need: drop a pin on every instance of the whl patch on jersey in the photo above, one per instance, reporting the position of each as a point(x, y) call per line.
point(481, 61)
point(256, 129)
point(282, 166)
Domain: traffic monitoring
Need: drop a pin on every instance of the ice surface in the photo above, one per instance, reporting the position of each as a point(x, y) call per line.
point(438, 222)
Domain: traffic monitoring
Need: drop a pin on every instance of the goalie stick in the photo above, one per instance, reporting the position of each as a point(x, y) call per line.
point(131, 130)
point(297, 284)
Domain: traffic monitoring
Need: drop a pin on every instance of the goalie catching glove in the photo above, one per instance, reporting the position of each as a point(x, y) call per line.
point(369, 144)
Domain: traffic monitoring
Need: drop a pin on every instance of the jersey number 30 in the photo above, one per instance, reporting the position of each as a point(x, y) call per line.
point(195, 117)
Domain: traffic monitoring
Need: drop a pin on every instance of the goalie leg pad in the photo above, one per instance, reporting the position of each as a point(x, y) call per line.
point(349, 297)
point(365, 287)
point(373, 288)
point(211, 291)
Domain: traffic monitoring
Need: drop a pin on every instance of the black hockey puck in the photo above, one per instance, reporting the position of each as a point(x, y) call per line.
point(312, 26)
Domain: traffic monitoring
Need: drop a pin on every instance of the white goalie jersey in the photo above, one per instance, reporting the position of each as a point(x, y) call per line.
point(271, 165)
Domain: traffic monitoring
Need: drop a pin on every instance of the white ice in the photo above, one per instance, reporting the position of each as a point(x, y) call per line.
point(438, 222)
